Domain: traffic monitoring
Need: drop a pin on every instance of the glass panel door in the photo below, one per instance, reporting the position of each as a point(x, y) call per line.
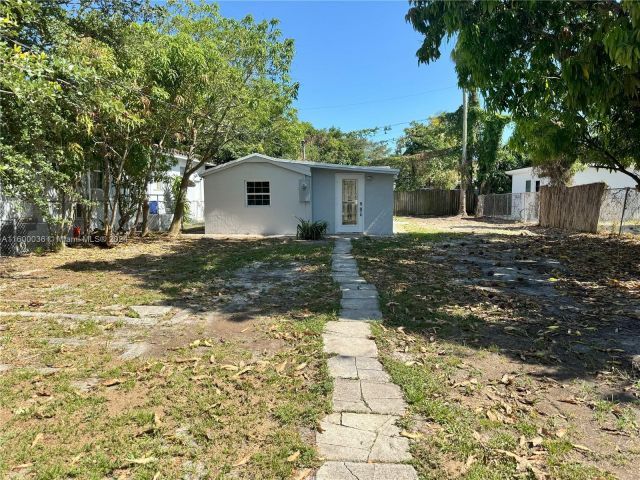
point(349, 201)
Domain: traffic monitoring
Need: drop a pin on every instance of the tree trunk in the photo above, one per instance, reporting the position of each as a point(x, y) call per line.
point(178, 213)
point(145, 217)
point(462, 207)
point(106, 187)
point(137, 220)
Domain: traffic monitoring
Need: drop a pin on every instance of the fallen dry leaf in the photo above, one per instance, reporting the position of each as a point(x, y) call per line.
point(37, 439)
point(294, 456)
point(142, 460)
point(493, 416)
point(113, 381)
point(281, 366)
point(242, 372)
point(583, 448)
point(243, 461)
point(507, 379)
point(536, 441)
point(231, 368)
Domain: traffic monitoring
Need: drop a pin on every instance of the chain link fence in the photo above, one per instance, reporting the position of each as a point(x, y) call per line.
point(21, 228)
point(619, 210)
point(520, 207)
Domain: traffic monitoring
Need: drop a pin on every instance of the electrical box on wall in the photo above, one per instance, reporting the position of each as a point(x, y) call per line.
point(304, 189)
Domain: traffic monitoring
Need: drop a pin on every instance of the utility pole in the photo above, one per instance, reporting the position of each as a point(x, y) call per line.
point(462, 208)
point(304, 150)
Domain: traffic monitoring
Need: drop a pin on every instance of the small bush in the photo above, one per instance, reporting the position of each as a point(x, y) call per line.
point(308, 230)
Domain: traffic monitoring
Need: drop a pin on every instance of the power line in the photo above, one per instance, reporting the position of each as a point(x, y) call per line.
point(366, 102)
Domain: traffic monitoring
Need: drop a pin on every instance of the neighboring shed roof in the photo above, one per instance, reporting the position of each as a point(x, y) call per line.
point(519, 170)
point(299, 166)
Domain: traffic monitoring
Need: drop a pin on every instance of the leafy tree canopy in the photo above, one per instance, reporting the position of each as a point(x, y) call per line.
point(569, 66)
point(332, 145)
point(431, 152)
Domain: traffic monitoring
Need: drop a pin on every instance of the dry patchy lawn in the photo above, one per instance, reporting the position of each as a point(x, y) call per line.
point(229, 382)
point(514, 347)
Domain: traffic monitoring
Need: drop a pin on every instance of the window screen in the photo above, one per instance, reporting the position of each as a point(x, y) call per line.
point(258, 193)
point(537, 185)
point(527, 186)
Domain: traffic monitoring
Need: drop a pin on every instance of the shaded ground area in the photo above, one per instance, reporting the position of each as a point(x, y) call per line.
point(516, 345)
point(189, 358)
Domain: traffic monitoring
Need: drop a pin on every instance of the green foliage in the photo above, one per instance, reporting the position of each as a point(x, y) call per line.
point(431, 152)
point(494, 179)
point(308, 230)
point(332, 145)
point(569, 71)
point(121, 83)
point(440, 139)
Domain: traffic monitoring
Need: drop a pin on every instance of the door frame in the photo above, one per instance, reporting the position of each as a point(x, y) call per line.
point(358, 227)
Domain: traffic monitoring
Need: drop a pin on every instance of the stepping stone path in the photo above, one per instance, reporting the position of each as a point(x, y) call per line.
point(360, 439)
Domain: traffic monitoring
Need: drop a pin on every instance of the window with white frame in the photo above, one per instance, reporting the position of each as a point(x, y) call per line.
point(258, 193)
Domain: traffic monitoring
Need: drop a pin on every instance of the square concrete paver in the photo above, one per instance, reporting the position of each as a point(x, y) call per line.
point(350, 330)
point(373, 375)
point(347, 390)
point(344, 278)
point(352, 395)
point(349, 294)
point(367, 304)
point(150, 310)
point(362, 437)
point(375, 390)
point(365, 471)
point(367, 363)
point(357, 314)
point(342, 366)
point(387, 406)
point(349, 346)
point(356, 286)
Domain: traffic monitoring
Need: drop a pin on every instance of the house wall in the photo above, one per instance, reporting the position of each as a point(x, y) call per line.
point(323, 190)
point(519, 180)
point(378, 213)
point(226, 211)
point(378, 200)
point(612, 179)
point(583, 177)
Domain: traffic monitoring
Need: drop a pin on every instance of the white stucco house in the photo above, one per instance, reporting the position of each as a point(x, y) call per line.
point(526, 179)
point(262, 195)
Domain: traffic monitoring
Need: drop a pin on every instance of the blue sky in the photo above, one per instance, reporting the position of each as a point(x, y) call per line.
point(354, 59)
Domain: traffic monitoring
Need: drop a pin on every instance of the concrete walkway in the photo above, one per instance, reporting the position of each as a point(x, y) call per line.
point(360, 439)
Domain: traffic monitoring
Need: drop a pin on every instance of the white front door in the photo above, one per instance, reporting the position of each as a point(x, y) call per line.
point(349, 203)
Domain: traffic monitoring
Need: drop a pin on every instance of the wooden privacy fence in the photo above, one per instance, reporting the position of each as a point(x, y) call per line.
point(431, 202)
point(571, 208)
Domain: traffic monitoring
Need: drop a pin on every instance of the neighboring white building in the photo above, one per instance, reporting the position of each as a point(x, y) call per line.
point(262, 195)
point(160, 197)
point(526, 180)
